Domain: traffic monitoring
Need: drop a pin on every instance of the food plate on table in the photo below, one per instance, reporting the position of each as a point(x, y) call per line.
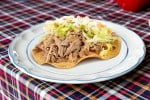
point(130, 55)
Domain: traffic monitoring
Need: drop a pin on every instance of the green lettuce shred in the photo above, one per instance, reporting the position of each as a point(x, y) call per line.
point(92, 34)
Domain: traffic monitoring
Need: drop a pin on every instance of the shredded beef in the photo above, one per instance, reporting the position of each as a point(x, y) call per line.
point(95, 47)
point(70, 48)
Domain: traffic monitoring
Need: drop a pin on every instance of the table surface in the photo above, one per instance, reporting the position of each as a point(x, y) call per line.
point(19, 15)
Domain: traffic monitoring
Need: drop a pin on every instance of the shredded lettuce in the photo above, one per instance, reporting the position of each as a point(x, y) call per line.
point(88, 27)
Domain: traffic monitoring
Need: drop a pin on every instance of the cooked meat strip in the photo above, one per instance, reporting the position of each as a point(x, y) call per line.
point(75, 56)
point(85, 50)
point(96, 47)
point(65, 42)
point(75, 45)
point(53, 59)
point(49, 54)
point(60, 47)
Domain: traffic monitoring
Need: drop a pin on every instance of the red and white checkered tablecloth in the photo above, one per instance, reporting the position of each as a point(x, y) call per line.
point(19, 15)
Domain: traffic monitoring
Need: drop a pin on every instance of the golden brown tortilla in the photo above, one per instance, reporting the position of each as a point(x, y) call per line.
point(39, 58)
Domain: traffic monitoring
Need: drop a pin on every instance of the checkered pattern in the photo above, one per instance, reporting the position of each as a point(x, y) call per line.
point(19, 15)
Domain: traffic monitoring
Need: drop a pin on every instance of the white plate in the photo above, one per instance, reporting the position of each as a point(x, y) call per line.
point(88, 71)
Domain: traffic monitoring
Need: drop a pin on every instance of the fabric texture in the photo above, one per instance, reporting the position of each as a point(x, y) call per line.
point(19, 15)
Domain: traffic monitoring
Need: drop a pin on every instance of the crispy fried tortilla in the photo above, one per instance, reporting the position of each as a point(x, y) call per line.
point(66, 45)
